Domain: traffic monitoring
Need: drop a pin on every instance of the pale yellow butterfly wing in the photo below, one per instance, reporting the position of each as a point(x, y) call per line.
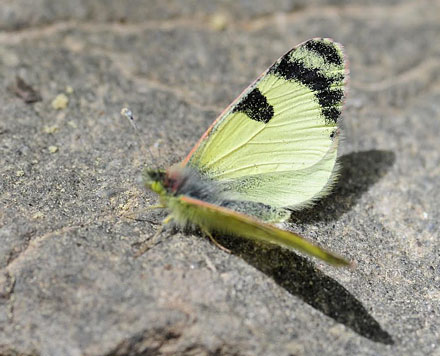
point(277, 143)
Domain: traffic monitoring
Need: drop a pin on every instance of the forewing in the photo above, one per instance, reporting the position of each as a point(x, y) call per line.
point(215, 218)
point(283, 125)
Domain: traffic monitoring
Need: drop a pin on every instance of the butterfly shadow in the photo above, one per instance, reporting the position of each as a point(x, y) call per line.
point(299, 276)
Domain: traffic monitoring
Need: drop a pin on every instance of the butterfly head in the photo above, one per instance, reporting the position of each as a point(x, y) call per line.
point(164, 182)
point(176, 180)
point(154, 179)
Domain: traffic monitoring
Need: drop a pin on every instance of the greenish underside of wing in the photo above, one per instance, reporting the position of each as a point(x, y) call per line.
point(278, 143)
point(214, 218)
point(294, 189)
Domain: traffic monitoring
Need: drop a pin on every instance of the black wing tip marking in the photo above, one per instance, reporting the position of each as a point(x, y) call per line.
point(255, 105)
point(317, 80)
point(325, 48)
point(331, 114)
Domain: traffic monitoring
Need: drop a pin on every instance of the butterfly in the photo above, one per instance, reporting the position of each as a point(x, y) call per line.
point(271, 151)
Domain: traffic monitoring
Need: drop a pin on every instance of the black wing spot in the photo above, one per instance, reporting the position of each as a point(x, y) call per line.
point(255, 105)
point(326, 50)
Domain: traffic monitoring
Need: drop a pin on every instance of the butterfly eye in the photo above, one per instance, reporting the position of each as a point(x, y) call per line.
point(152, 175)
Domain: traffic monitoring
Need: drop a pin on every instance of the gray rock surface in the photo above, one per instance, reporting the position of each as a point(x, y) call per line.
point(69, 282)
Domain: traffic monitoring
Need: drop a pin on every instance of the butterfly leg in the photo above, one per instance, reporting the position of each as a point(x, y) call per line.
point(214, 241)
point(150, 242)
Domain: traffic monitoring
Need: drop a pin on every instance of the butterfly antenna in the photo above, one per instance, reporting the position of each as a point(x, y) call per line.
point(144, 147)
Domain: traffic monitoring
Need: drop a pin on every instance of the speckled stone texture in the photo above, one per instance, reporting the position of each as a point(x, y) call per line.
point(73, 211)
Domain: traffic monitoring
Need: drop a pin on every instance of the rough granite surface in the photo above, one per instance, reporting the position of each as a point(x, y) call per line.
point(73, 211)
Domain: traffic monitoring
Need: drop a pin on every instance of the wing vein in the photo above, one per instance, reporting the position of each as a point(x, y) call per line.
point(227, 172)
point(235, 148)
